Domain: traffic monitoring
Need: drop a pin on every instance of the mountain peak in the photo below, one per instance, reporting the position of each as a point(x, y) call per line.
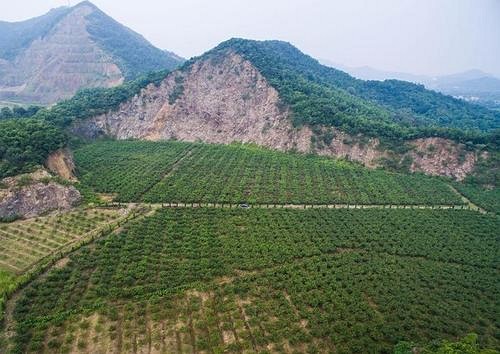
point(61, 36)
point(85, 3)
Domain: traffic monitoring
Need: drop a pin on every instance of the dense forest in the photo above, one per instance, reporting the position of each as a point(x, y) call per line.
point(392, 109)
point(25, 143)
point(18, 112)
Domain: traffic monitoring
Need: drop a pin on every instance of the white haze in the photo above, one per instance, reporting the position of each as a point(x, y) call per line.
point(431, 37)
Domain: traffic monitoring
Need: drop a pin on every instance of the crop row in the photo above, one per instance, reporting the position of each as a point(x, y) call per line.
point(23, 243)
point(215, 280)
point(167, 172)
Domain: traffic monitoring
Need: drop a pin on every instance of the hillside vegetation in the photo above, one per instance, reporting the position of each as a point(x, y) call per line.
point(213, 280)
point(26, 143)
point(134, 54)
point(183, 172)
point(392, 109)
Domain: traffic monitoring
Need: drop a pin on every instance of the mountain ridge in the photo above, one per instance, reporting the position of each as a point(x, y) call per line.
point(50, 57)
point(473, 85)
point(221, 97)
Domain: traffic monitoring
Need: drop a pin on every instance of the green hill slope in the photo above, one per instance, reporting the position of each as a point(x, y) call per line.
point(323, 95)
point(182, 172)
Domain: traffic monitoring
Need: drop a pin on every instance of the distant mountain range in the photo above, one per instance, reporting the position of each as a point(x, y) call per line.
point(472, 85)
point(49, 58)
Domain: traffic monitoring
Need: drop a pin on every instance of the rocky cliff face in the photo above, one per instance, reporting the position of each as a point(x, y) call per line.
point(61, 163)
point(441, 157)
point(35, 194)
point(212, 102)
point(226, 99)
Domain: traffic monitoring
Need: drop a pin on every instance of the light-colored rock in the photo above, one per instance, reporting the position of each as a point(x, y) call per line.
point(225, 99)
point(61, 163)
point(57, 65)
point(442, 157)
point(35, 194)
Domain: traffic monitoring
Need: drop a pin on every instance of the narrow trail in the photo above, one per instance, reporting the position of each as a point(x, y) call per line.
point(467, 201)
point(299, 206)
point(169, 172)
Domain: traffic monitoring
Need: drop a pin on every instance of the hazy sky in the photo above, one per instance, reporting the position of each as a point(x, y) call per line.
point(417, 36)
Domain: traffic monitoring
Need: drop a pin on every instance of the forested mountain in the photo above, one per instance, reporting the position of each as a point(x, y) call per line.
point(322, 95)
point(473, 86)
point(48, 58)
point(271, 94)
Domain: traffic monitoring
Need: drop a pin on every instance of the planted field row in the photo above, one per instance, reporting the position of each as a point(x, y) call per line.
point(127, 168)
point(488, 199)
point(23, 243)
point(234, 174)
point(212, 280)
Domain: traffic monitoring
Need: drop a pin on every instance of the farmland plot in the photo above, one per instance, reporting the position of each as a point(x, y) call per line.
point(317, 280)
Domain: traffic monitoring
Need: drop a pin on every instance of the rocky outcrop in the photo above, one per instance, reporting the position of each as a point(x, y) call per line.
point(212, 102)
point(51, 57)
point(35, 194)
point(225, 99)
point(61, 163)
point(442, 157)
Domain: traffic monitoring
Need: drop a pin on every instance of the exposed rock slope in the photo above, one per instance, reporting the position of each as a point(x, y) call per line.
point(226, 99)
point(61, 163)
point(35, 194)
point(68, 56)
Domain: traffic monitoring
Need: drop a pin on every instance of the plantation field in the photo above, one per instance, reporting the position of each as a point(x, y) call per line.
point(23, 243)
point(488, 199)
point(159, 172)
point(127, 168)
point(270, 280)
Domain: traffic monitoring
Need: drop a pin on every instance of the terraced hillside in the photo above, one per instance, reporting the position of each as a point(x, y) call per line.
point(25, 242)
point(28, 246)
point(270, 281)
point(184, 172)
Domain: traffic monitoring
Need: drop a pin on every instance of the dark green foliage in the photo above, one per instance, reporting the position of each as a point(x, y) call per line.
point(167, 172)
point(25, 143)
point(363, 280)
point(18, 112)
point(91, 102)
point(127, 168)
point(17, 36)
point(134, 54)
point(467, 345)
point(487, 170)
point(86, 103)
point(487, 198)
point(391, 109)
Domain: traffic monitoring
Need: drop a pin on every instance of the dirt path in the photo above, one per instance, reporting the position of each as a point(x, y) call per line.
point(304, 206)
point(467, 201)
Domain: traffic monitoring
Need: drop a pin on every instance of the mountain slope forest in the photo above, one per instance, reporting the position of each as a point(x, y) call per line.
point(49, 58)
point(322, 95)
